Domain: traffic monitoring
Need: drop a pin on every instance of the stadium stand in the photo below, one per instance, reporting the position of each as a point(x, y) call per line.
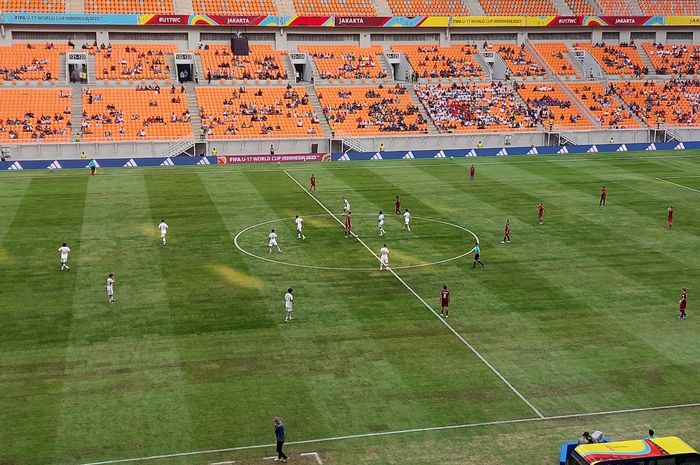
point(147, 113)
point(134, 61)
point(263, 64)
point(604, 105)
point(429, 7)
point(35, 114)
point(519, 60)
point(433, 62)
point(581, 7)
point(550, 106)
point(130, 6)
point(555, 54)
point(616, 59)
point(346, 61)
point(615, 7)
point(459, 108)
point(256, 112)
point(519, 7)
point(30, 61)
point(370, 110)
point(674, 59)
point(670, 7)
point(235, 7)
point(335, 7)
point(673, 103)
point(34, 6)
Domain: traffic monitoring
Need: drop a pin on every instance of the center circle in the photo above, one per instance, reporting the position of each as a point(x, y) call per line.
point(334, 268)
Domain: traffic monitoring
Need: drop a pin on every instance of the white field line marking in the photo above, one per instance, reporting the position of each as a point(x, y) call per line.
point(223, 463)
point(314, 455)
point(678, 185)
point(427, 305)
point(404, 431)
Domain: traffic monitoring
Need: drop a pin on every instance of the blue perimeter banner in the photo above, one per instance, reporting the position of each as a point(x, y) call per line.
point(104, 163)
point(82, 19)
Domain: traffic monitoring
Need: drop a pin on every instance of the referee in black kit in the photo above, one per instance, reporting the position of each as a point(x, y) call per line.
point(279, 433)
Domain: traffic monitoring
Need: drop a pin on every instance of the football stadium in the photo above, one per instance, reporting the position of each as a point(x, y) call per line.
point(349, 232)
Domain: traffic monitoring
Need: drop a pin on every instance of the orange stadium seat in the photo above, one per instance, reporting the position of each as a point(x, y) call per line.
point(34, 6)
point(30, 61)
point(670, 7)
point(335, 7)
point(519, 60)
point(134, 62)
point(581, 7)
point(112, 114)
point(616, 7)
point(235, 7)
point(552, 106)
point(470, 108)
point(257, 112)
point(556, 57)
point(429, 7)
point(433, 62)
point(130, 6)
point(35, 115)
point(604, 105)
point(346, 61)
point(674, 59)
point(616, 59)
point(519, 8)
point(263, 63)
point(371, 110)
point(675, 103)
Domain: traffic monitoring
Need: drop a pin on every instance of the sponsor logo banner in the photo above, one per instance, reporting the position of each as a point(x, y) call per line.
point(682, 20)
point(488, 21)
point(69, 18)
point(307, 21)
point(281, 158)
point(207, 20)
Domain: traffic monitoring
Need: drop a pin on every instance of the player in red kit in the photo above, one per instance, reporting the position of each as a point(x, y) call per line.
point(348, 224)
point(444, 301)
point(312, 183)
point(540, 212)
point(472, 172)
point(682, 304)
point(670, 218)
point(397, 205)
point(506, 232)
point(603, 197)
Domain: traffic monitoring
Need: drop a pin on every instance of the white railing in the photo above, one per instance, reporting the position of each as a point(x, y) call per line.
point(179, 146)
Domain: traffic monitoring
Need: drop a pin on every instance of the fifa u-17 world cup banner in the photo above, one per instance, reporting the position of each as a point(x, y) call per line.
point(70, 18)
point(594, 21)
point(488, 21)
point(281, 158)
point(207, 20)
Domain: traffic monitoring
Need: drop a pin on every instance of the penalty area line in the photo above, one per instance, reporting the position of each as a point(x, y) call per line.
point(426, 304)
point(677, 185)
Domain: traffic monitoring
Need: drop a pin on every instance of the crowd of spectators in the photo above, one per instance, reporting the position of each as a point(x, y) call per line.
point(462, 107)
point(131, 62)
point(220, 63)
point(30, 61)
point(520, 62)
point(550, 106)
point(352, 66)
point(604, 105)
point(677, 59)
point(674, 102)
point(617, 59)
point(37, 127)
point(433, 62)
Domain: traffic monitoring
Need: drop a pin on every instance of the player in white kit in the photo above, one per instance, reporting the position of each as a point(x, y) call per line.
point(288, 305)
point(64, 250)
point(163, 227)
point(273, 241)
point(407, 221)
point(383, 258)
point(346, 205)
point(110, 288)
point(380, 223)
point(300, 226)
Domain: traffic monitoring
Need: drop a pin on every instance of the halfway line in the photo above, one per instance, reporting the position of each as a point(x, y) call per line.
point(427, 305)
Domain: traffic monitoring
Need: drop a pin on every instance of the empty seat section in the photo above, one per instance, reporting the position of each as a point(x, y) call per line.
point(263, 63)
point(28, 115)
point(519, 7)
point(346, 61)
point(235, 7)
point(370, 110)
point(616, 59)
point(254, 112)
point(30, 61)
point(33, 6)
point(670, 7)
point(473, 108)
point(112, 114)
point(519, 60)
point(134, 62)
point(429, 7)
point(556, 56)
point(674, 59)
point(604, 105)
point(130, 6)
point(581, 7)
point(672, 103)
point(616, 7)
point(550, 106)
point(433, 62)
point(335, 7)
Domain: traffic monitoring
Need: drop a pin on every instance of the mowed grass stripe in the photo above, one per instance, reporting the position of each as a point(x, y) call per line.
point(124, 390)
point(35, 307)
point(12, 193)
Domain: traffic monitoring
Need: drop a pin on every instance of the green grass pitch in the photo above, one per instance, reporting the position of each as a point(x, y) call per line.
point(579, 314)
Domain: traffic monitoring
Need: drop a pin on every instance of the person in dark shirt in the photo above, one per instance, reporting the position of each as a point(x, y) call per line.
point(279, 433)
